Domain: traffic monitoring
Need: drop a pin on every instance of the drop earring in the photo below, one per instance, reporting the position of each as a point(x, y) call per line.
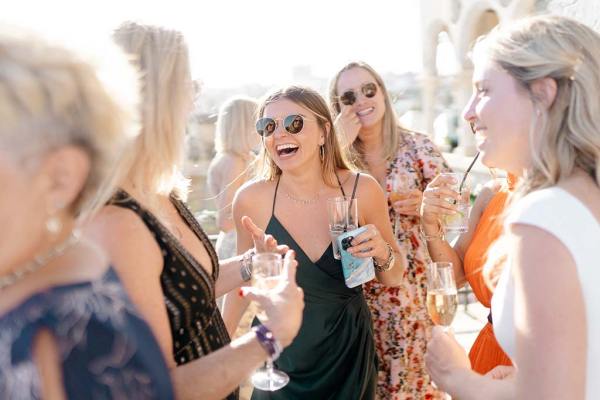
point(322, 153)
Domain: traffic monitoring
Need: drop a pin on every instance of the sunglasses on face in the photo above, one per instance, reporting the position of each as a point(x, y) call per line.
point(367, 89)
point(292, 124)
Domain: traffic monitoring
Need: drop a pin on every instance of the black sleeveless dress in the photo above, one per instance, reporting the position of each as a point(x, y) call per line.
point(333, 356)
point(189, 291)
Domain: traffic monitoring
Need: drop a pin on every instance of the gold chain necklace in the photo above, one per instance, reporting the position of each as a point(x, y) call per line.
point(303, 202)
point(39, 261)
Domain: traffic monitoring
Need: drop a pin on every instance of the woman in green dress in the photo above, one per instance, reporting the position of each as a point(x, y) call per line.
point(333, 356)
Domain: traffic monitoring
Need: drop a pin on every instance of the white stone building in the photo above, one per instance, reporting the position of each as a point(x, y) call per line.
point(462, 21)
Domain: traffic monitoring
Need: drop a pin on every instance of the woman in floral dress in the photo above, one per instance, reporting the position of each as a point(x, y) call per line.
point(384, 149)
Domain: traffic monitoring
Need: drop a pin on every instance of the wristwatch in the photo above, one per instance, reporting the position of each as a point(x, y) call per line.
point(246, 265)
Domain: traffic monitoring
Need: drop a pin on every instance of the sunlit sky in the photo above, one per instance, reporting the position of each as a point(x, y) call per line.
point(237, 42)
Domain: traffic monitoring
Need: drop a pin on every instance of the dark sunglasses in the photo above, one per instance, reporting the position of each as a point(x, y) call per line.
point(367, 89)
point(292, 124)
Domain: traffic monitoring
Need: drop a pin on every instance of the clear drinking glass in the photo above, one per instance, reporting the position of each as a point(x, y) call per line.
point(459, 222)
point(442, 296)
point(343, 217)
point(399, 191)
point(266, 275)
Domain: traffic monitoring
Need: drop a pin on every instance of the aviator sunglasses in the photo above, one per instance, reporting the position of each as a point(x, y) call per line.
point(367, 89)
point(292, 124)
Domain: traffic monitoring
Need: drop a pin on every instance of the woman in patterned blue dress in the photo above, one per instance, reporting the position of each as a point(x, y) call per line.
point(67, 328)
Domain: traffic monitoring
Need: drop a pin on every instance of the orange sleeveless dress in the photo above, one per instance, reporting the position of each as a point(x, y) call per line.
point(486, 353)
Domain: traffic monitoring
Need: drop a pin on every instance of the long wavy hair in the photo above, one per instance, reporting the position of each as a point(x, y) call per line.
point(566, 135)
point(156, 159)
point(333, 157)
point(393, 132)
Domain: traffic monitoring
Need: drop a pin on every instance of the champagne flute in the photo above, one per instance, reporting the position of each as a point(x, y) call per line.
point(266, 276)
point(442, 296)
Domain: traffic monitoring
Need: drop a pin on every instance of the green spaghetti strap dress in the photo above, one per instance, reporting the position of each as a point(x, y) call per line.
point(333, 356)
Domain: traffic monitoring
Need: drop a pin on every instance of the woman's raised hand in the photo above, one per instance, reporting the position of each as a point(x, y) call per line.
point(263, 243)
point(348, 124)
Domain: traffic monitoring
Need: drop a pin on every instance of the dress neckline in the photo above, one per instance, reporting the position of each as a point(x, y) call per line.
point(274, 217)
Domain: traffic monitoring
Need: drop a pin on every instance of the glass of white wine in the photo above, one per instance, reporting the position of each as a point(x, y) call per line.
point(442, 296)
point(266, 276)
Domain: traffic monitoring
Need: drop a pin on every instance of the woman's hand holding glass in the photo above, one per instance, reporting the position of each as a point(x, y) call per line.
point(281, 303)
point(439, 200)
point(409, 204)
point(444, 358)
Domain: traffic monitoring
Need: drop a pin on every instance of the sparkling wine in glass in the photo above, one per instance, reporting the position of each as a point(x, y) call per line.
point(266, 276)
point(442, 296)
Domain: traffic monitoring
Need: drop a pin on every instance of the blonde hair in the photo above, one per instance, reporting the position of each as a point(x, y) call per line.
point(235, 126)
point(333, 157)
point(157, 157)
point(52, 97)
point(392, 131)
point(567, 135)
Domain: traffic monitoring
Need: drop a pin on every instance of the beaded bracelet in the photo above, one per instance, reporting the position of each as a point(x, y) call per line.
point(267, 341)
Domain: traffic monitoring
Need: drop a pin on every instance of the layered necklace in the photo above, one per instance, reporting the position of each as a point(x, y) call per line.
point(39, 261)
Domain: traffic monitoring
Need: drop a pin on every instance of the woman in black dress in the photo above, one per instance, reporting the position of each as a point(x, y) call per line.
point(161, 253)
point(333, 356)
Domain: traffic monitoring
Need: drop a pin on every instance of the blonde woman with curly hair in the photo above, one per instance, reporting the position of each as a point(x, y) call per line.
point(535, 89)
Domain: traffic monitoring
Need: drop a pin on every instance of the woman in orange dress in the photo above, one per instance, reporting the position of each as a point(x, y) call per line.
point(470, 253)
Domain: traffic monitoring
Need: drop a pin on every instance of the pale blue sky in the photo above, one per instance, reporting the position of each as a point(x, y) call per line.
point(233, 42)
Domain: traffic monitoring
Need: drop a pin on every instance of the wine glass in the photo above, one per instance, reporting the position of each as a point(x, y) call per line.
point(266, 276)
point(442, 296)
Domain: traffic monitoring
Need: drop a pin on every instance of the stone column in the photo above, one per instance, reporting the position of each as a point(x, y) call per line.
point(466, 141)
point(430, 82)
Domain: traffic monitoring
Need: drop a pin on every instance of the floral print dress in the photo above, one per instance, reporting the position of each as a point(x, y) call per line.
point(400, 318)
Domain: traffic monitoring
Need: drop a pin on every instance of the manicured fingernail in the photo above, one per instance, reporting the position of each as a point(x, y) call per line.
point(241, 292)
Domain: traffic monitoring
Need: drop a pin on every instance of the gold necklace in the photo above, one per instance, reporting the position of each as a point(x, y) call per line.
point(303, 202)
point(39, 261)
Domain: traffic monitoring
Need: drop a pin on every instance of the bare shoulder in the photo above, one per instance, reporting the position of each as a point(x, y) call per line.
point(254, 198)
point(253, 190)
point(121, 233)
point(368, 188)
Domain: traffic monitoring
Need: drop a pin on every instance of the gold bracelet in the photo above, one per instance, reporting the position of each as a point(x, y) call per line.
point(430, 238)
point(389, 263)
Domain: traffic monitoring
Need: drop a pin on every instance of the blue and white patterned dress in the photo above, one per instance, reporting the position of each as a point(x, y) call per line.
point(106, 350)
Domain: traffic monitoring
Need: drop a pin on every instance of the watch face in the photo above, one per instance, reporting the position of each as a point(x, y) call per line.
point(246, 273)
